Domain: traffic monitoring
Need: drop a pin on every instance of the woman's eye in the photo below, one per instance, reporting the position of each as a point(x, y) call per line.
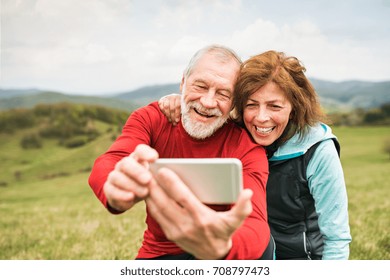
point(275, 106)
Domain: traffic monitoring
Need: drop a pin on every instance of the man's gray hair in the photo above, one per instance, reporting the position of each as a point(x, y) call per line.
point(221, 52)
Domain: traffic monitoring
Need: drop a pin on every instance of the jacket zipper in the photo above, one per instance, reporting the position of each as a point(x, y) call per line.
point(305, 246)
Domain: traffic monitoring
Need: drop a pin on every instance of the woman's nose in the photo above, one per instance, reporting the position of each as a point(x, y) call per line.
point(263, 115)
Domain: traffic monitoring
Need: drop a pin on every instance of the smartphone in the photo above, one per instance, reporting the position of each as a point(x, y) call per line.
point(212, 180)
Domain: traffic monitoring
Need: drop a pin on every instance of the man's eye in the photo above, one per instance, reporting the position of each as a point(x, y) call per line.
point(200, 86)
point(224, 95)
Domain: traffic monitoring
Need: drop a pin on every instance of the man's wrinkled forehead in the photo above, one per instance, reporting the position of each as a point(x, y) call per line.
point(223, 56)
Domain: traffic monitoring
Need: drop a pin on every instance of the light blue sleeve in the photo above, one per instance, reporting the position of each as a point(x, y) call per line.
point(327, 186)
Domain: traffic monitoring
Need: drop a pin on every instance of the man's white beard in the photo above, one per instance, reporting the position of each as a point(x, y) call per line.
point(199, 130)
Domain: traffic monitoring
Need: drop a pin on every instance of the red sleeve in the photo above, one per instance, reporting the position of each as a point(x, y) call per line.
point(137, 130)
point(251, 239)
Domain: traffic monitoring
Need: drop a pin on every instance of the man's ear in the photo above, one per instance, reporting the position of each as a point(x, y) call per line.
point(182, 84)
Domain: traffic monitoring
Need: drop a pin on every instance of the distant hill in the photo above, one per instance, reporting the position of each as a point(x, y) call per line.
point(145, 95)
point(9, 93)
point(353, 94)
point(334, 96)
point(27, 99)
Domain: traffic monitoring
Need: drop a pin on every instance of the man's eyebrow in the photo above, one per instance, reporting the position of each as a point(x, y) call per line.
point(200, 81)
point(228, 90)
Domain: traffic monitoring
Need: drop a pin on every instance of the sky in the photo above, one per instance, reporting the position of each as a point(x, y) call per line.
point(113, 46)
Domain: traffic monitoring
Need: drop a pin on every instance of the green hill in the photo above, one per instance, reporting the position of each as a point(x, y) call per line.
point(334, 96)
point(48, 211)
point(48, 162)
point(353, 94)
point(145, 95)
point(54, 140)
point(24, 100)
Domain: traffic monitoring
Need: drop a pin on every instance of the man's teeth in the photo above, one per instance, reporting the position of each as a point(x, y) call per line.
point(204, 114)
point(264, 130)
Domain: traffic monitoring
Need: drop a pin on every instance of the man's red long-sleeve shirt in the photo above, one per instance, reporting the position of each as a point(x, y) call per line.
point(149, 126)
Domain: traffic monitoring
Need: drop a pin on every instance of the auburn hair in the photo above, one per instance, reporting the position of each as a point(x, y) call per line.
point(288, 74)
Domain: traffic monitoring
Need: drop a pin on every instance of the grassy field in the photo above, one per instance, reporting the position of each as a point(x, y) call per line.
point(367, 174)
point(47, 210)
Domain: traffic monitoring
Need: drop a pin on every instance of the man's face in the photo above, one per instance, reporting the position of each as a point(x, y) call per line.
point(207, 95)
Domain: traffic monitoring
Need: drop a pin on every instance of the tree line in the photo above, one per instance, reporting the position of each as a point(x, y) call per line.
point(71, 124)
point(74, 124)
point(361, 117)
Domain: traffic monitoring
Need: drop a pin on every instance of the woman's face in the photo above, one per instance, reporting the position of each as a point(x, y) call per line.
point(266, 114)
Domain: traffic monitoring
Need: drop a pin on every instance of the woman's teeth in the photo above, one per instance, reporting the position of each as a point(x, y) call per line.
point(264, 130)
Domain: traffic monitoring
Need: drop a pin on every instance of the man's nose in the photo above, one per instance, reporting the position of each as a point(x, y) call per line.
point(208, 100)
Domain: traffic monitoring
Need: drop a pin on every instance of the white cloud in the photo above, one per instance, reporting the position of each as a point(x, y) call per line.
point(183, 49)
point(117, 45)
point(97, 53)
point(323, 58)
